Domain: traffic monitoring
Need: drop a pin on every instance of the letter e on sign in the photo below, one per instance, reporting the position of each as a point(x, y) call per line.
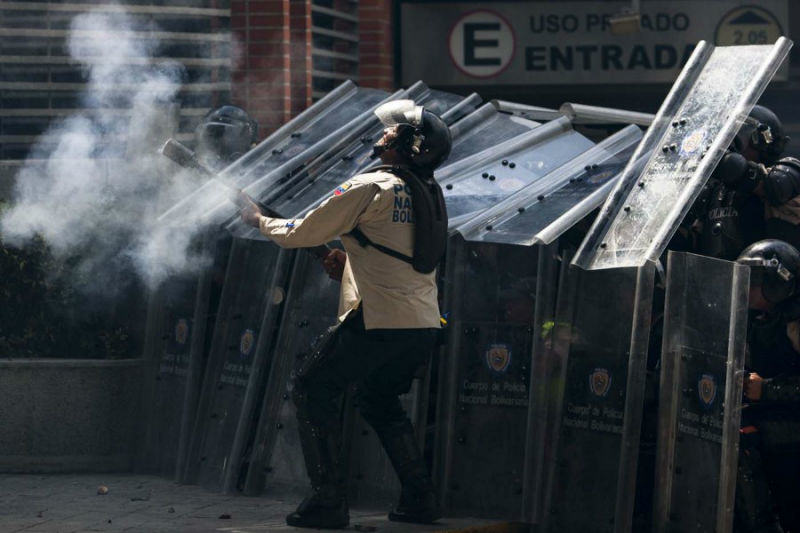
point(481, 44)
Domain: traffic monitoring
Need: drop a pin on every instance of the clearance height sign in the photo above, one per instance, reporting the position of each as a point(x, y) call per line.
point(524, 43)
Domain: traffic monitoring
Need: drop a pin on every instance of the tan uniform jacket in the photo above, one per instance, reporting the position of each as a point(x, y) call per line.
point(392, 293)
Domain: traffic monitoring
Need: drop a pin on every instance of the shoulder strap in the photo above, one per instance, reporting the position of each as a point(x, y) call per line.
point(365, 241)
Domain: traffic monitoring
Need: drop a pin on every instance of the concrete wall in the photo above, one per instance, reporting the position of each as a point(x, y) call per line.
point(69, 415)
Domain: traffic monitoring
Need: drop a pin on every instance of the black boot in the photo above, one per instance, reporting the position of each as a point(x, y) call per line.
point(418, 503)
point(326, 507)
point(418, 506)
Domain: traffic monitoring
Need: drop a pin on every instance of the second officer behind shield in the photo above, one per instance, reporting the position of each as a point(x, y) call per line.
point(753, 193)
point(769, 445)
point(393, 225)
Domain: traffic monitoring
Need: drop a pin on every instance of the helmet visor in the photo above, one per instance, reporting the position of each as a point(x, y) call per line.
point(399, 112)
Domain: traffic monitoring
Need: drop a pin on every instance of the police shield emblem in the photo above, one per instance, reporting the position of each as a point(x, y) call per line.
point(707, 389)
point(498, 357)
point(181, 331)
point(693, 143)
point(246, 342)
point(600, 381)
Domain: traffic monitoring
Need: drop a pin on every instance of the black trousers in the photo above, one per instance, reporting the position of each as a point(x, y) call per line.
point(381, 363)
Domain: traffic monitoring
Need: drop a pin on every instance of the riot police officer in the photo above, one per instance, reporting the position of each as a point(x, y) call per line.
point(752, 192)
point(769, 464)
point(389, 315)
point(224, 135)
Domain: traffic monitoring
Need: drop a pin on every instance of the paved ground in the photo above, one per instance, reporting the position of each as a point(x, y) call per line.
point(71, 503)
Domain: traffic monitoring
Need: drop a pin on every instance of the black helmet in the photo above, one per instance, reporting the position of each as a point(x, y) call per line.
point(423, 138)
point(774, 266)
point(762, 130)
point(226, 133)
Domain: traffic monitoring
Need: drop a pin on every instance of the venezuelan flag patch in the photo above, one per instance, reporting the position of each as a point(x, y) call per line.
point(341, 189)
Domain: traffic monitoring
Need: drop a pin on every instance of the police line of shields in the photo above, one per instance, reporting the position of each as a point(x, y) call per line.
point(499, 300)
point(272, 459)
point(593, 379)
point(494, 156)
point(193, 301)
point(599, 363)
point(539, 395)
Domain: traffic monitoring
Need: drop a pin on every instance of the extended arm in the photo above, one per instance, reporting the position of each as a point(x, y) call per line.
point(336, 216)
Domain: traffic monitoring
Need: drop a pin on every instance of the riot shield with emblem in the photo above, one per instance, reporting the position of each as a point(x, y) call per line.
point(693, 128)
point(169, 339)
point(702, 366)
point(247, 310)
point(596, 382)
point(493, 346)
point(175, 350)
point(483, 392)
point(275, 459)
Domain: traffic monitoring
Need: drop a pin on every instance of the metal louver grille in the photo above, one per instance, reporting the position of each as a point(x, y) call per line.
point(39, 82)
point(334, 34)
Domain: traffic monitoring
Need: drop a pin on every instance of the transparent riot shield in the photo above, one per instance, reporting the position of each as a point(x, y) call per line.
point(177, 326)
point(238, 348)
point(318, 141)
point(275, 460)
point(596, 384)
point(172, 308)
point(372, 481)
point(476, 182)
point(365, 130)
point(283, 152)
point(695, 125)
point(534, 214)
point(702, 365)
point(491, 308)
point(540, 213)
point(484, 128)
point(541, 407)
point(472, 134)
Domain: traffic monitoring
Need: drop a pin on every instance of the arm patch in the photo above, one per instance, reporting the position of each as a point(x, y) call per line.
point(341, 189)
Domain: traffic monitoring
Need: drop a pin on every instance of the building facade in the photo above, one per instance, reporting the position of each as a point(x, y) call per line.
point(272, 57)
point(275, 57)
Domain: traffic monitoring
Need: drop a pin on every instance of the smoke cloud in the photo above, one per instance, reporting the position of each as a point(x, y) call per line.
point(94, 184)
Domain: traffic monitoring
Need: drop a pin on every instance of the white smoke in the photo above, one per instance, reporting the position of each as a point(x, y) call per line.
point(94, 184)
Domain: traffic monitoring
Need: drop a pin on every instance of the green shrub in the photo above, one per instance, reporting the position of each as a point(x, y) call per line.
point(43, 315)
